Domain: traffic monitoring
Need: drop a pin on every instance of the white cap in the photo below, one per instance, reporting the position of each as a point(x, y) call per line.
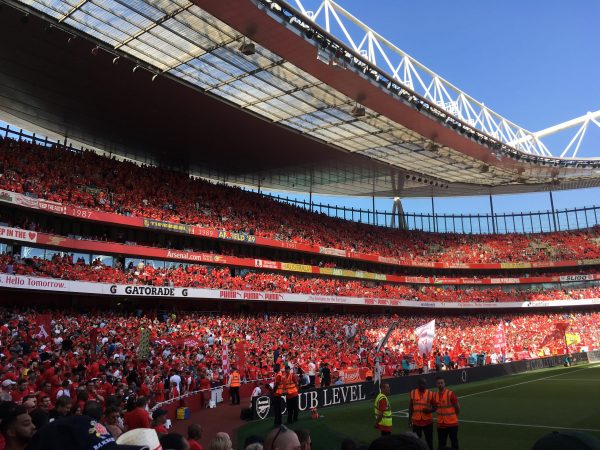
point(141, 436)
point(7, 383)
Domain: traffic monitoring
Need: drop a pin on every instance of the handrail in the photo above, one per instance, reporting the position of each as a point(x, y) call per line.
point(505, 223)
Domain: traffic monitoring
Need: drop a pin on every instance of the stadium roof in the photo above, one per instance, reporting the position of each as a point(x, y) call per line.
point(277, 113)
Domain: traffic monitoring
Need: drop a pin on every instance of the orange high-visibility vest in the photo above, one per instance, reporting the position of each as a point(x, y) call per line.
point(291, 388)
point(446, 414)
point(279, 382)
point(235, 379)
point(420, 402)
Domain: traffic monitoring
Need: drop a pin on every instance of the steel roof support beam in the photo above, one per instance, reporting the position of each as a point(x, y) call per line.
point(73, 10)
point(418, 78)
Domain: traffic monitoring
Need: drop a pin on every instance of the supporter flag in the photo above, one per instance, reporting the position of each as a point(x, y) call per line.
point(572, 338)
point(224, 359)
point(240, 354)
point(143, 350)
point(94, 340)
point(557, 333)
point(44, 324)
point(456, 351)
point(426, 334)
point(500, 338)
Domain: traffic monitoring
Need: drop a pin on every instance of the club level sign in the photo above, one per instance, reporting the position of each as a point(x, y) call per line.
point(317, 398)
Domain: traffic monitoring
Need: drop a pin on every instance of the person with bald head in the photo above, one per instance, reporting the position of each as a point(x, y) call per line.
point(282, 438)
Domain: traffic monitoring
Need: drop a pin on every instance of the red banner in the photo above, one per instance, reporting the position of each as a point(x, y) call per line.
point(352, 375)
point(43, 329)
point(240, 354)
point(500, 338)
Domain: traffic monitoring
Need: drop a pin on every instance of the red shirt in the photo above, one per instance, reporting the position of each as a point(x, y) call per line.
point(137, 418)
point(194, 445)
point(160, 429)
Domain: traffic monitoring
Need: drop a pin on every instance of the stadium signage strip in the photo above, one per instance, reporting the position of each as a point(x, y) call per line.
point(8, 233)
point(17, 234)
point(194, 230)
point(10, 281)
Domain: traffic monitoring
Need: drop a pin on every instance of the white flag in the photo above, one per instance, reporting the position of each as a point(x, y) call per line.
point(426, 334)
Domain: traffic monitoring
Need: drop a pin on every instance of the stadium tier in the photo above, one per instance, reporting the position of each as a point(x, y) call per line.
point(200, 276)
point(85, 179)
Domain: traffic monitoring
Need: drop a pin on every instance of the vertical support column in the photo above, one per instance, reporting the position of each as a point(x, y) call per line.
point(397, 210)
point(493, 217)
point(374, 212)
point(310, 190)
point(433, 214)
point(553, 212)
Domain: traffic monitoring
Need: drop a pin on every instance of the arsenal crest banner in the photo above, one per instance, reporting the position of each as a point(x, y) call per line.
point(43, 328)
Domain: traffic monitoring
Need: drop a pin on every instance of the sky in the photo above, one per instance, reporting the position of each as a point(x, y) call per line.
point(534, 62)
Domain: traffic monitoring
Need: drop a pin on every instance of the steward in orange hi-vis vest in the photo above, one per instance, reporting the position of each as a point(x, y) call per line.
point(446, 405)
point(420, 412)
point(291, 395)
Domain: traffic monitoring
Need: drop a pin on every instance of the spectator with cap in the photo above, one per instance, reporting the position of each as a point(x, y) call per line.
point(75, 433)
point(159, 419)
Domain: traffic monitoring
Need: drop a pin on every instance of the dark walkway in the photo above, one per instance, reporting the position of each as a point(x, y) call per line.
point(224, 417)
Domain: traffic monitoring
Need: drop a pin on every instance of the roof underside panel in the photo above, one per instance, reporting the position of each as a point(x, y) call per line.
point(329, 149)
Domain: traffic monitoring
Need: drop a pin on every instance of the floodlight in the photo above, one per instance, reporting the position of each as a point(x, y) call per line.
point(247, 49)
point(358, 111)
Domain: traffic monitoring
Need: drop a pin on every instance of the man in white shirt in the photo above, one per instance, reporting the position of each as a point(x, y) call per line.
point(257, 392)
point(175, 378)
point(312, 372)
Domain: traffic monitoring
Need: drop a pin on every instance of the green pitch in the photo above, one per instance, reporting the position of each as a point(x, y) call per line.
point(502, 413)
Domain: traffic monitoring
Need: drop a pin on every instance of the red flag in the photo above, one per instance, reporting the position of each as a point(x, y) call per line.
point(456, 351)
point(240, 354)
point(557, 333)
point(500, 338)
point(44, 324)
point(93, 340)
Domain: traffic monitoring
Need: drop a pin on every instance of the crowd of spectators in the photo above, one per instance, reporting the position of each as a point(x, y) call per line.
point(90, 363)
point(89, 180)
point(97, 351)
point(202, 276)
